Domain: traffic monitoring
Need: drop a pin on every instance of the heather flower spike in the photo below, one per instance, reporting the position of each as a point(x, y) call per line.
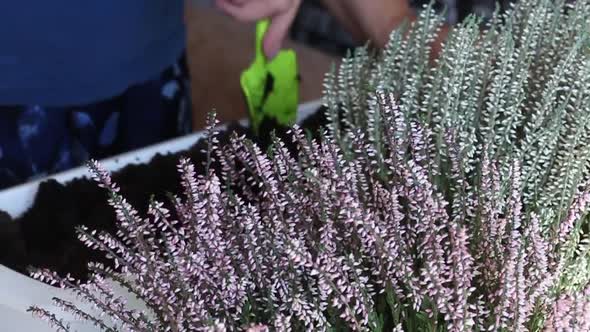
point(447, 195)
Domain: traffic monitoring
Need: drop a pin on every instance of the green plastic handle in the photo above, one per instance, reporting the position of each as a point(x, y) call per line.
point(271, 87)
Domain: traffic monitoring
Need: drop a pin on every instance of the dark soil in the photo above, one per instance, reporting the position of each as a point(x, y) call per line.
point(45, 235)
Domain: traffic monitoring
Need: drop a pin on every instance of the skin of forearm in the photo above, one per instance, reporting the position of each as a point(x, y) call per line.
point(371, 20)
point(340, 10)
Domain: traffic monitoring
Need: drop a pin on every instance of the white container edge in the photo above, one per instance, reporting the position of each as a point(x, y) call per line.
point(16, 200)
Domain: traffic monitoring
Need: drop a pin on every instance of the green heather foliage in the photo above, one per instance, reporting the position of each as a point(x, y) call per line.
point(445, 195)
point(518, 93)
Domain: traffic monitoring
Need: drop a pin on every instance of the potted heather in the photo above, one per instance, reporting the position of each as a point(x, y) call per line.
point(38, 228)
point(445, 196)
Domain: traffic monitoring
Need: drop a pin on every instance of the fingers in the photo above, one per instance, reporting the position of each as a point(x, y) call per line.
point(278, 30)
point(281, 14)
point(252, 10)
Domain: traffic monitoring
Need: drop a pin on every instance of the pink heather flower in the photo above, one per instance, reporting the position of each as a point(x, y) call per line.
point(490, 238)
point(538, 275)
point(570, 313)
point(58, 324)
point(577, 209)
point(258, 328)
point(282, 323)
point(508, 299)
point(101, 176)
point(460, 314)
point(330, 232)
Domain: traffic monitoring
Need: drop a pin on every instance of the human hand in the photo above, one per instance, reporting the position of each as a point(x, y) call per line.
point(280, 12)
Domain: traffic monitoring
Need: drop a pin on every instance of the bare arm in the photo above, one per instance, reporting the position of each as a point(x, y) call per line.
point(370, 20)
point(373, 20)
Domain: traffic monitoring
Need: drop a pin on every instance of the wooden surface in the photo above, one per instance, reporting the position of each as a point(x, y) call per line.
point(219, 49)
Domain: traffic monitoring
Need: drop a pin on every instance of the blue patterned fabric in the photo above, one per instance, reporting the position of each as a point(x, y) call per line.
point(36, 141)
point(72, 52)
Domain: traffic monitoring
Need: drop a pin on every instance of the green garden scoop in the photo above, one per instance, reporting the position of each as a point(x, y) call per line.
point(271, 87)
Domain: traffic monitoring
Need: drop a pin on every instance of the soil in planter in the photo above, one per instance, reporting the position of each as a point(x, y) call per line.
point(45, 235)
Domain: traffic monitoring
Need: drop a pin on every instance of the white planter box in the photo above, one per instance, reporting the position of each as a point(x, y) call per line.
point(18, 292)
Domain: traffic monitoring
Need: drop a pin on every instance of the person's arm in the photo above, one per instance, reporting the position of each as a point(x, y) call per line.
point(371, 20)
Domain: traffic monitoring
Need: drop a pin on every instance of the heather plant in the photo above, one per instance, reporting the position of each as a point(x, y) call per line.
point(446, 195)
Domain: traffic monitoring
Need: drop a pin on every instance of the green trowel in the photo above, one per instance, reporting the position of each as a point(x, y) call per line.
point(271, 87)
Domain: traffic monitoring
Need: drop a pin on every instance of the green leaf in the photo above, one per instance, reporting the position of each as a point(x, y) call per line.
point(376, 322)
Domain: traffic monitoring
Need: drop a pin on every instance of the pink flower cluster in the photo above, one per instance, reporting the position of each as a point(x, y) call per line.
point(321, 240)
